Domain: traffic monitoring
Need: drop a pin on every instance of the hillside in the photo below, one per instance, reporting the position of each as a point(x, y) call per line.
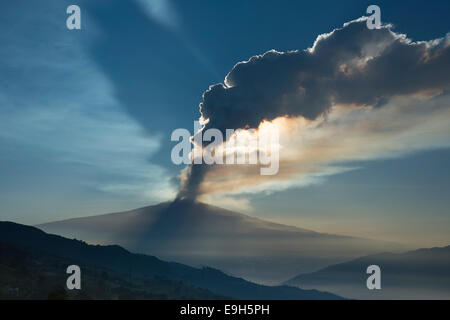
point(418, 274)
point(30, 274)
point(137, 269)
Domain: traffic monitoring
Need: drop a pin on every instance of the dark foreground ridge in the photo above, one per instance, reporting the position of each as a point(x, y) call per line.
point(32, 259)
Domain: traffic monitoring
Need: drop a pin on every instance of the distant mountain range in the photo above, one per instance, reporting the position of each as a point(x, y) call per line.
point(418, 274)
point(33, 265)
point(198, 234)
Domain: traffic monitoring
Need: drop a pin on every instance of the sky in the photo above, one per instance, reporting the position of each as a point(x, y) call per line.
point(86, 115)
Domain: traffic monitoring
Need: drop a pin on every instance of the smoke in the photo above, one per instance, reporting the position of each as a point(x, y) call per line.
point(351, 66)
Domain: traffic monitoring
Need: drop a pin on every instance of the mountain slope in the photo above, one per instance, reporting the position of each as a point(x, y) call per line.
point(198, 234)
point(418, 274)
point(137, 266)
point(27, 273)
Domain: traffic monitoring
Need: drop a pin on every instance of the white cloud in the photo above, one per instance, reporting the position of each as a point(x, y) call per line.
point(161, 11)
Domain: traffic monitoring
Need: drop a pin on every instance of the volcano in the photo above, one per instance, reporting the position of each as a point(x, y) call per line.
point(198, 234)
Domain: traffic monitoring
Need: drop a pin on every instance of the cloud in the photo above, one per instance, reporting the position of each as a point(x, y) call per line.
point(356, 94)
point(161, 11)
point(311, 150)
point(165, 13)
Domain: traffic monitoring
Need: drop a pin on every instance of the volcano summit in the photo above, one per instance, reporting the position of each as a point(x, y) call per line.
point(195, 233)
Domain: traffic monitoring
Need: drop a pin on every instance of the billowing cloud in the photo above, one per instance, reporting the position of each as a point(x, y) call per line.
point(356, 94)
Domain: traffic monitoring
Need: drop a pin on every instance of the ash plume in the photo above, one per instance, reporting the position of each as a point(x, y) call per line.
point(351, 65)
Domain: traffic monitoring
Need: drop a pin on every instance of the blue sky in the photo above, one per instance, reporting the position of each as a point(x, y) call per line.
point(86, 116)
